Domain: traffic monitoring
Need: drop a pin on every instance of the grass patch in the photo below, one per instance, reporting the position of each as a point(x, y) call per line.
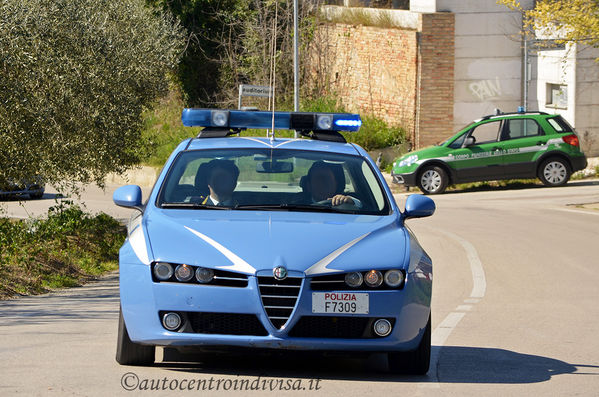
point(379, 18)
point(67, 249)
point(586, 173)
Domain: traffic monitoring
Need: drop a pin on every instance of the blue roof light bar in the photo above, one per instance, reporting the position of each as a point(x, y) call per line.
point(263, 120)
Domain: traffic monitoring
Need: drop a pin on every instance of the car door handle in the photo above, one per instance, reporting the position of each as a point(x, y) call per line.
point(496, 148)
point(540, 143)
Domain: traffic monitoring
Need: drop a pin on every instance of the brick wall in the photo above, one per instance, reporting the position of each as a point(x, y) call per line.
point(403, 76)
point(371, 70)
point(434, 107)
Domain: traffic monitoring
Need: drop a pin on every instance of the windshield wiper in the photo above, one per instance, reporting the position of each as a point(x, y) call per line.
point(292, 207)
point(193, 206)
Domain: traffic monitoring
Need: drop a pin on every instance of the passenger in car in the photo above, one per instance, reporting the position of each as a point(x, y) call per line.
point(221, 181)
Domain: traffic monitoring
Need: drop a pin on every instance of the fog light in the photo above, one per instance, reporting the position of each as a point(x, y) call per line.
point(184, 273)
point(373, 278)
point(171, 321)
point(163, 271)
point(382, 327)
point(393, 278)
point(204, 275)
point(354, 279)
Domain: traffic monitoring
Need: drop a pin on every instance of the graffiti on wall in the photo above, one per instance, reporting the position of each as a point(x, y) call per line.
point(485, 89)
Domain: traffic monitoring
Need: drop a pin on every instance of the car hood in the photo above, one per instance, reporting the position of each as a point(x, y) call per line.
point(254, 241)
point(429, 152)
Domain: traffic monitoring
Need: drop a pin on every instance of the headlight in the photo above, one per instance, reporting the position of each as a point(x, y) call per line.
point(373, 278)
point(184, 273)
point(394, 278)
point(408, 160)
point(204, 275)
point(163, 271)
point(354, 279)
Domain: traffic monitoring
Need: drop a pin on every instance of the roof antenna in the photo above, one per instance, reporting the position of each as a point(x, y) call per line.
point(273, 69)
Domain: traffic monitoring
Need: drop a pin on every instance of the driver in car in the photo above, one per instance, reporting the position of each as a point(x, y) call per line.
point(322, 184)
point(222, 181)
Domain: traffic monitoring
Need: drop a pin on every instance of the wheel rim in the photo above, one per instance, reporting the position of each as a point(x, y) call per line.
point(555, 172)
point(431, 180)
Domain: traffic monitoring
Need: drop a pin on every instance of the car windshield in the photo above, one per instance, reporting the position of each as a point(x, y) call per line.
point(451, 137)
point(272, 180)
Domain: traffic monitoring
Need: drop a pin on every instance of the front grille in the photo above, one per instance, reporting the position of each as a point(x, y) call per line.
point(334, 282)
point(229, 279)
point(279, 297)
point(335, 327)
point(226, 324)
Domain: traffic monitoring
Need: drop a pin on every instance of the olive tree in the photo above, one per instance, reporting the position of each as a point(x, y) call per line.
point(75, 77)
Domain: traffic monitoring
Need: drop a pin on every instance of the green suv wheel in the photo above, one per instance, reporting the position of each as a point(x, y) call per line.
point(554, 172)
point(433, 180)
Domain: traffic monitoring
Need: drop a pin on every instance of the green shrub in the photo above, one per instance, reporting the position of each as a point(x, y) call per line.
point(374, 133)
point(65, 249)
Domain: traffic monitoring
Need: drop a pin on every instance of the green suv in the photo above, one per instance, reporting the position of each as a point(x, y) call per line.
point(501, 146)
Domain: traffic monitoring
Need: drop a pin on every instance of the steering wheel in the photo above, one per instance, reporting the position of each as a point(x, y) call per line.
point(343, 206)
point(327, 202)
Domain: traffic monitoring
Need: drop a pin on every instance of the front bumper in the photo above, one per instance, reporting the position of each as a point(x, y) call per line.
point(142, 300)
point(405, 179)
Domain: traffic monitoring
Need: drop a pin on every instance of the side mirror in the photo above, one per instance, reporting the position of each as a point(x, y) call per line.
point(469, 141)
point(128, 196)
point(419, 206)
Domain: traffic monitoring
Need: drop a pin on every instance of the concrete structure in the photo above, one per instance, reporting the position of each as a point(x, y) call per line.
point(568, 84)
point(488, 56)
point(443, 63)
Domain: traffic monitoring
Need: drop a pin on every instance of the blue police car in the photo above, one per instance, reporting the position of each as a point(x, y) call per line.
point(273, 243)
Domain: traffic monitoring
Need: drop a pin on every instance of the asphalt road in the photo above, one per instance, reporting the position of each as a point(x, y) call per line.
point(515, 312)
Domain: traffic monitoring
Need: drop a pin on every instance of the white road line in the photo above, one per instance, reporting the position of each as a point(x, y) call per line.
point(443, 330)
point(446, 327)
point(471, 300)
point(463, 308)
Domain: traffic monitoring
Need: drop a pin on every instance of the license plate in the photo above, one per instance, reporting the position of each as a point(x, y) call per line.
point(339, 302)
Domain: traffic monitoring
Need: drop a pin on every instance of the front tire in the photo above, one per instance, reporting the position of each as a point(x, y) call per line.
point(555, 172)
point(414, 362)
point(433, 180)
point(129, 353)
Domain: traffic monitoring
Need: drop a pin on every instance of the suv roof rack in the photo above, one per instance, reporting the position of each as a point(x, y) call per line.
point(500, 113)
